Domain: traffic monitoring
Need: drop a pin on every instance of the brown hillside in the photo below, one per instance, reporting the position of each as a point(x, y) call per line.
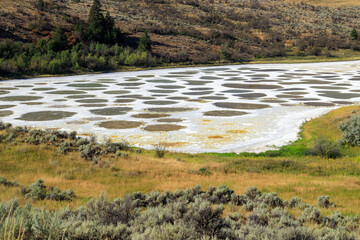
point(194, 30)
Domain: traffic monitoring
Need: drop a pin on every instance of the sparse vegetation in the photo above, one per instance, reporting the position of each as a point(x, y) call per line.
point(188, 214)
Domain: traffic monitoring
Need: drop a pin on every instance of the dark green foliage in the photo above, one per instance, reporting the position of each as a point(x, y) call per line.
point(101, 28)
point(354, 35)
point(5, 182)
point(47, 57)
point(59, 42)
point(326, 148)
point(40, 4)
point(189, 214)
point(145, 45)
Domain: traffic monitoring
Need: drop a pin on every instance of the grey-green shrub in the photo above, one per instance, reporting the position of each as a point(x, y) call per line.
point(183, 214)
point(351, 130)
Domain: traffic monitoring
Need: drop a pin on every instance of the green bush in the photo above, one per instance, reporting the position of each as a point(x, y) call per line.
point(326, 149)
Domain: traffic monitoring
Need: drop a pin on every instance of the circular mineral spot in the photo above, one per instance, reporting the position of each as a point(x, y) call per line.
point(210, 78)
point(6, 113)
point(170, 109)
point(43, 89)
point(315, 82)
point(233, 105)
point(117, 92)
point(91, 89)
point(251, 86)
point(3, 92)
point(305, 99)
point(328, 87)
point(111, 111)
point(145, 76)
point(66, 92)
point(150, 115)
point(160, 102)
point(198, 93)
point(163, 127)
point(8, 88)
point(169, 120)
point(80, 96)
point(224, 113)
point(161, 81)
point(6, 106)
point(24, 86)
point(197, 83)
point(130, 84)
point(201, 89)
point(319, 104)
point(273, 101)
point(162, 91)
point(46, 115)
point(169, 86)
point(124, 100)
point(20, 98)
point(106, 80)
point(120, 124)
point(94, 100)
point(343, 102)
point(136, 96)
point(251, 95)
point(88, 85)
point(32, 103)
point(93, 105)
point(338, 95)
point(214, 98)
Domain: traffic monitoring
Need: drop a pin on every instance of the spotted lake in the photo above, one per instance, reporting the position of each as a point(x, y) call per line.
point(207, 109)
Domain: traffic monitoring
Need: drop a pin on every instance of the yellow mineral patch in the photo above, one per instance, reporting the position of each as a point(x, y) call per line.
point(215, 137)
point(236, 131)
point(206, 120)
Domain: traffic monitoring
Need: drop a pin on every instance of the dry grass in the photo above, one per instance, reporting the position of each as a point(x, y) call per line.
point(330, 3)
point(145, 173)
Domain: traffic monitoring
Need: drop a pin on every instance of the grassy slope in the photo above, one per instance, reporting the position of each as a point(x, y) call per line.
point(306, 177)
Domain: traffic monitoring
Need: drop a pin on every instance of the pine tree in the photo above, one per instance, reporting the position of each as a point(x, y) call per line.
point(59, 40)
point(145, 45)
point(96, 22)
point(354, 35)
point(102, 28)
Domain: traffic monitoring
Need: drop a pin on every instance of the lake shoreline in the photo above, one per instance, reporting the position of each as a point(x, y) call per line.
point(180, 66)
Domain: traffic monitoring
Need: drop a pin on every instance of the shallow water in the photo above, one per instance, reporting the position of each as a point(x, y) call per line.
point(218, 109)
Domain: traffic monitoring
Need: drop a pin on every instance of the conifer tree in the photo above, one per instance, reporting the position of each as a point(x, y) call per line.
point(145, 45)
point(354, 35)
point(102, 28)
point(59, 40)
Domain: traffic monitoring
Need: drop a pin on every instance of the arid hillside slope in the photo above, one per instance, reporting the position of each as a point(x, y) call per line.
point(196, 30)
